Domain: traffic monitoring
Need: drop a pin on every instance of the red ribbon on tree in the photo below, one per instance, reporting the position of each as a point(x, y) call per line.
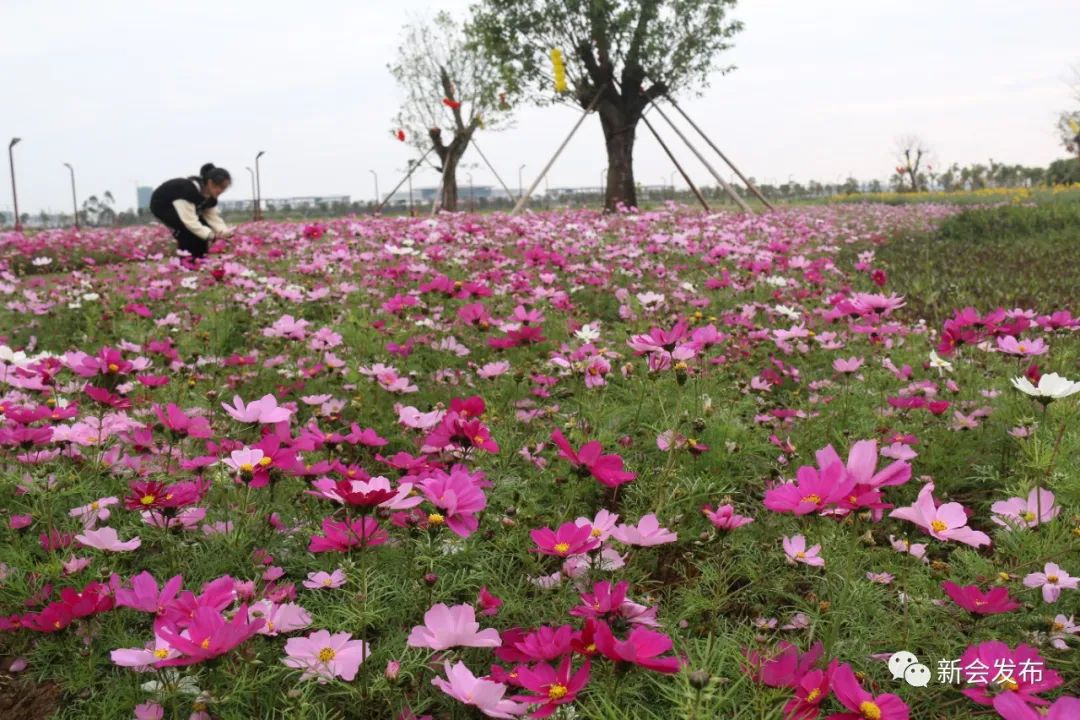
point(452, 104)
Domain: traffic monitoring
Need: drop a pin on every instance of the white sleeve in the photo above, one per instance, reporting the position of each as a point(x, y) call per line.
point(214, 220)
point(188, 216)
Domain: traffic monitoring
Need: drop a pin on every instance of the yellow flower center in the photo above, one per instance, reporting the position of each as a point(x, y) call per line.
point(435, 519)
point(557, 691)
point(205, 644)
point(812, 498)
point(95, 505)
point(1052, 579)
point(813, 695)
point(800, 554)
point(692, 442)
point(56, 624)
point(562, 548)
point(870, 710)
point(327, 654)
point(1021, 347)
point(246, 467)
point(590, 648)
point(938, 526)
point(147, 499)
point(1009, 684)
point(1028, 516)
point(1056, 626)
point(596, 532)
point(113, 367)
point(478, 440)
point(265, 460)
point(161, 653)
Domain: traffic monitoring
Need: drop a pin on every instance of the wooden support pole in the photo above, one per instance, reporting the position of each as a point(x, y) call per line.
point(532, 188)
point(723, 157)
point(492, 169)
point(697, 193)
point(403, 181)
point(723, 183)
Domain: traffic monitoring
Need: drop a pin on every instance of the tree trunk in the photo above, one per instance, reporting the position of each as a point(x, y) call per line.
point(619, 131)
point(450, 156)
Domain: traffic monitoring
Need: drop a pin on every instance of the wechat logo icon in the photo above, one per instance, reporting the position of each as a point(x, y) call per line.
point(906, 666)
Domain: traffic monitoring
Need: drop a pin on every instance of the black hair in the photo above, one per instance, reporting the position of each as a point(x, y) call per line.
point(219, 176)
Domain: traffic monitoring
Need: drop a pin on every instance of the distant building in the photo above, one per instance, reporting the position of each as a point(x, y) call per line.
point(143, 194)
point(323, 202)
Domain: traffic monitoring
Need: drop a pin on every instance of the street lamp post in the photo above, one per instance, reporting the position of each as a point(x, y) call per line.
point(74, 202)
point(258, 187)
point(471, 206)
point(251, 172)
point(14, 195)
point(521, 185)
point(375, 207)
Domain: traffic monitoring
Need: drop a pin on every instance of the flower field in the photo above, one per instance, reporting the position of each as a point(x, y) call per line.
point(643, 465)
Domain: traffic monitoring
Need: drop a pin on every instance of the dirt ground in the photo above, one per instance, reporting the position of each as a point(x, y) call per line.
point(22, 699)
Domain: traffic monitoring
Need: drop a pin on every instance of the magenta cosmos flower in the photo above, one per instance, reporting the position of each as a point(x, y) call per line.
point(144, 595)
point(570, 539)
point(1011, 707)
point(342, 537)
point(607, 469)
point(725, 518)
point(784, 668)
point(812, 490)
point(324, 656)
point(975, 601)
point(446, 627)
point(485, 695)
point(642, 647)
point(209, 635)
point(997, 670)
point(864, 705)
point(551, 687)
point(948, 522)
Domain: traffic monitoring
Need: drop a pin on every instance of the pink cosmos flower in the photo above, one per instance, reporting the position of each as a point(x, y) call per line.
point(494, 369)
point(264, 410)
point(317, 580)
point(412, 418)
point(997, 671)
point(812, 689)
point(570, 539)
point(642, 647)
point(797, 552)
point(975, 601)
point(607, 469)
point(948, 522)
point(902, 545)
point(610, 602)
point(861, 465)
point(460, 498)
point(848, 365)
point(149, 711)
point(108, 540)
point(94, 512)
point(283, 618)
point(446, 627)
point(1020, 513)
point(1052, 580)
point(552, 687)
point(543, 643)
point(645, 534)
point(485, 695)
point(324, 656)
point(144, 595)
point(862, 704)
point(724, 517)
point(144, 658)
point(1024, 348)
point(601, 524)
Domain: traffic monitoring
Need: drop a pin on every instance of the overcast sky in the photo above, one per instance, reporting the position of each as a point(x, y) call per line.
point(136, 92)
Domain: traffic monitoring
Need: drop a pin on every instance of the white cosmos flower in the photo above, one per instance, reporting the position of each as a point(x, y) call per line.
point(936, 361)
point(1051, 387)
point(588, 333)
point(42, 261)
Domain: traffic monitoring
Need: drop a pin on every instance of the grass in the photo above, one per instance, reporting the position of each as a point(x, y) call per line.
point(710, 587)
